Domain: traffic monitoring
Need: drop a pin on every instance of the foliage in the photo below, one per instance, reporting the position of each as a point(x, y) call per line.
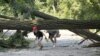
point(16, 40)
point(70, 9)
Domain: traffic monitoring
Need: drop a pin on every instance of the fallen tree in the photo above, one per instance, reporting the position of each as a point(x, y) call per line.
point(50, 24)
point(73, 25)
point(6, 17)
point(86, 34)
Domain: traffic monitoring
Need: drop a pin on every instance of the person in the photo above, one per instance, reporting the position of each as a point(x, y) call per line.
point(39, 36)
point(53, 34)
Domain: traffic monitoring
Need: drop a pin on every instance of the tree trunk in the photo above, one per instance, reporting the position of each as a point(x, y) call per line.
point(50, 24)
point(86, 34)
point(73, 25)
point(6, 17)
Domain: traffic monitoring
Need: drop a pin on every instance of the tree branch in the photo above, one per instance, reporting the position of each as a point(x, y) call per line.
point(6, 17)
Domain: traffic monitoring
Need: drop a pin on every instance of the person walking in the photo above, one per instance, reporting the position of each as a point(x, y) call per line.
point(39, 36)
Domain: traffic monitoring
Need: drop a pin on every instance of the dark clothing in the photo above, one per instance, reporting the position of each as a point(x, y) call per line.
point(38, 34)
point(39, 37)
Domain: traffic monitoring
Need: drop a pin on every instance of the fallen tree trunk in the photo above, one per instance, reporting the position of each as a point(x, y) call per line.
point(13, 25)
point(50, 24)
point(74, 26)
point(94, 45)
point(86, 34)
point(43, 15)
point(6, 17)
point(86, 39)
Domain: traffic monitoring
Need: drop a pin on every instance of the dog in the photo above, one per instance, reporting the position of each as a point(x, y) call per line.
point(53, 35)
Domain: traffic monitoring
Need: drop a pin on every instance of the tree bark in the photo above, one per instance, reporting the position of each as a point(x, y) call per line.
point(86, 34)
point(6, 17)
point(50, 24)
